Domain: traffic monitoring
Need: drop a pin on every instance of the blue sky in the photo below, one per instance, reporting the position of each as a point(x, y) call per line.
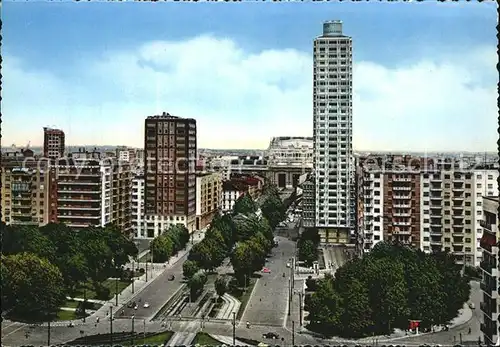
point(424, 74)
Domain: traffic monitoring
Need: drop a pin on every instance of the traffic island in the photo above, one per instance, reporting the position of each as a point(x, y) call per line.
point(204, 339)
point(123, 339)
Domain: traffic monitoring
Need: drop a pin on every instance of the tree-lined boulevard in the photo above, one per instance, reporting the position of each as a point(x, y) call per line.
point(363, 298)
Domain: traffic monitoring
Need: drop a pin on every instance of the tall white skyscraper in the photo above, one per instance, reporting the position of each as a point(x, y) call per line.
point(334, 168)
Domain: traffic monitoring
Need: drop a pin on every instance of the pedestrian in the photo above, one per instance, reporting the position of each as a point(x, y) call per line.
point(470, 330)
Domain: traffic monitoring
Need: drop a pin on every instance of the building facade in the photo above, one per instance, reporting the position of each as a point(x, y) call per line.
point(90, 193)
point(24, 196)
point(432, 207)
point(288, 158)
point(208, 197)
point(489, 266)
point(334, 171)
point(53, 143)
point(138, 206)
point(170, 173)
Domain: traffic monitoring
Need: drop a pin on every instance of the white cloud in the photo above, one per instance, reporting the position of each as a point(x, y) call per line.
point(241, 99)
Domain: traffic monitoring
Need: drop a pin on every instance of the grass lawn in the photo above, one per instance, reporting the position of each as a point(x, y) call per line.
point(243, 295)
point(70, 304)
point(90, 294)
point(205, 340)
point(150, 340)
point(65, 315)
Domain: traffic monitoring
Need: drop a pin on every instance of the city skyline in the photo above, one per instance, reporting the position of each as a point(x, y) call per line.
point(99, 82)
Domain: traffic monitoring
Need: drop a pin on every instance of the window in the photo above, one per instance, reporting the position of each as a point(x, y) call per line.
point(479, 203)
point(479, 177)
point(490, 177)
point(376, 210)
point(377, 184)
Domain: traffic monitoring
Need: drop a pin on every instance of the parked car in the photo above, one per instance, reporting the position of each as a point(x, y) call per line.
point(171, 277)
point(270, 335)
point(266, 270)
point(136, 307)
point(146, 305)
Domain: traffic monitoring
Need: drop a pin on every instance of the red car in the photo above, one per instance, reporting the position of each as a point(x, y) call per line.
point(266, 270)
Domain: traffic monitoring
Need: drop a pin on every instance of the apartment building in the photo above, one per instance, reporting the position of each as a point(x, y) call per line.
point(53, 143)
point(138, 206)
point(434, 205)
point(208, 197)
point(170, 172)
point(236, 187)
point(334, 168)
point(489, 265)
point(307, 203)
point(24, 196)
point(288, 158)
point(86, 193)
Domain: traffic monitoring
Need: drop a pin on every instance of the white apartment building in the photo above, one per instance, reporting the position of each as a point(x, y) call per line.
point(373, 231)
point(334, 170)
point(230, 193)
point(490, 271)
point(138, 207)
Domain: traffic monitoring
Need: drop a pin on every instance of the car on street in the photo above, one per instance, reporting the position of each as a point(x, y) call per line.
point(270, 335)
point(266, 270)
point(288, 265)
point(171, 277)
point(131, 304)
point(146, 305)
point(136, 307)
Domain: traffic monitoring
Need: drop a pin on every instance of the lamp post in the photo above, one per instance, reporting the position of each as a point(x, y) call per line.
point(116, 291)
point(234, 329)
point(133, 332)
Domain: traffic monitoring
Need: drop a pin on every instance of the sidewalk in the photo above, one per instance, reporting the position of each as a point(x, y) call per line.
point(228, 341)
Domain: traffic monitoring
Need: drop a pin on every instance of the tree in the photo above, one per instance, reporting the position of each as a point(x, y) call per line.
point(273, 210)
point(31, 286)
point(326, 308)
point(244, 205)
point(162, 248)
point(386, 288)
point(201, 253)
point(246, 226)
point(189, 268)
point(311, 284)
point(308, 252)
point(242, 261)
point(197, 283)
point(221, 285)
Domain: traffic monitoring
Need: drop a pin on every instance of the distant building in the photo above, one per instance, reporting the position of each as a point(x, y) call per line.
point(490, 268)
point(288, 158)
point(53, 143)
point(308, 208)
point(170, 172)
point(236, 187)
point(208, 198)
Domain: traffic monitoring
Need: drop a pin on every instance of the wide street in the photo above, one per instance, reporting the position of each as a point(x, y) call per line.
point(268, 303)
point(156, 293)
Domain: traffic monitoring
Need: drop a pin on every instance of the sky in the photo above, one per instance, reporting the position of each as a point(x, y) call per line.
point(424, 74)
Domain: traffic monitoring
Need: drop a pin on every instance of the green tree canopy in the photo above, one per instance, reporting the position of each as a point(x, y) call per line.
point(189, 268)
point(31, 286)
point(161, 248)
point(244, 205)
point(385, 289)
point(197, 283)
point(273, 210)
point(221, 285)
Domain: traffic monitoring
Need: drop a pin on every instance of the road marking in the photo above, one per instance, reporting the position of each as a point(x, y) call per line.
point(13, 331)
point(8, 326)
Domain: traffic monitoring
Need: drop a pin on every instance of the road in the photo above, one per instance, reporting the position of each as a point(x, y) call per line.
point(268, 303)
point(156, 293)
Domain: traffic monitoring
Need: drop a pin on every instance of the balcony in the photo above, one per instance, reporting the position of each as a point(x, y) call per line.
point(436, 224)
point(436, 234)
point(457, 207)
point(74, 191)
point(436, 207)
point(401, 232)
point(436, 243)
point(78, 208)
point(436, 197)
point(79, 216)
point(436, 180)
point(401, 223)
point(489, 267)
point(396, 188)
point(86, 199)
point(484, 224)
point(76, 183)
point(403, 214)
point(436, 189)
point(402, 197)
point(458, 197)
point(401, 179)
point(401, 206)
point(458, 189)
